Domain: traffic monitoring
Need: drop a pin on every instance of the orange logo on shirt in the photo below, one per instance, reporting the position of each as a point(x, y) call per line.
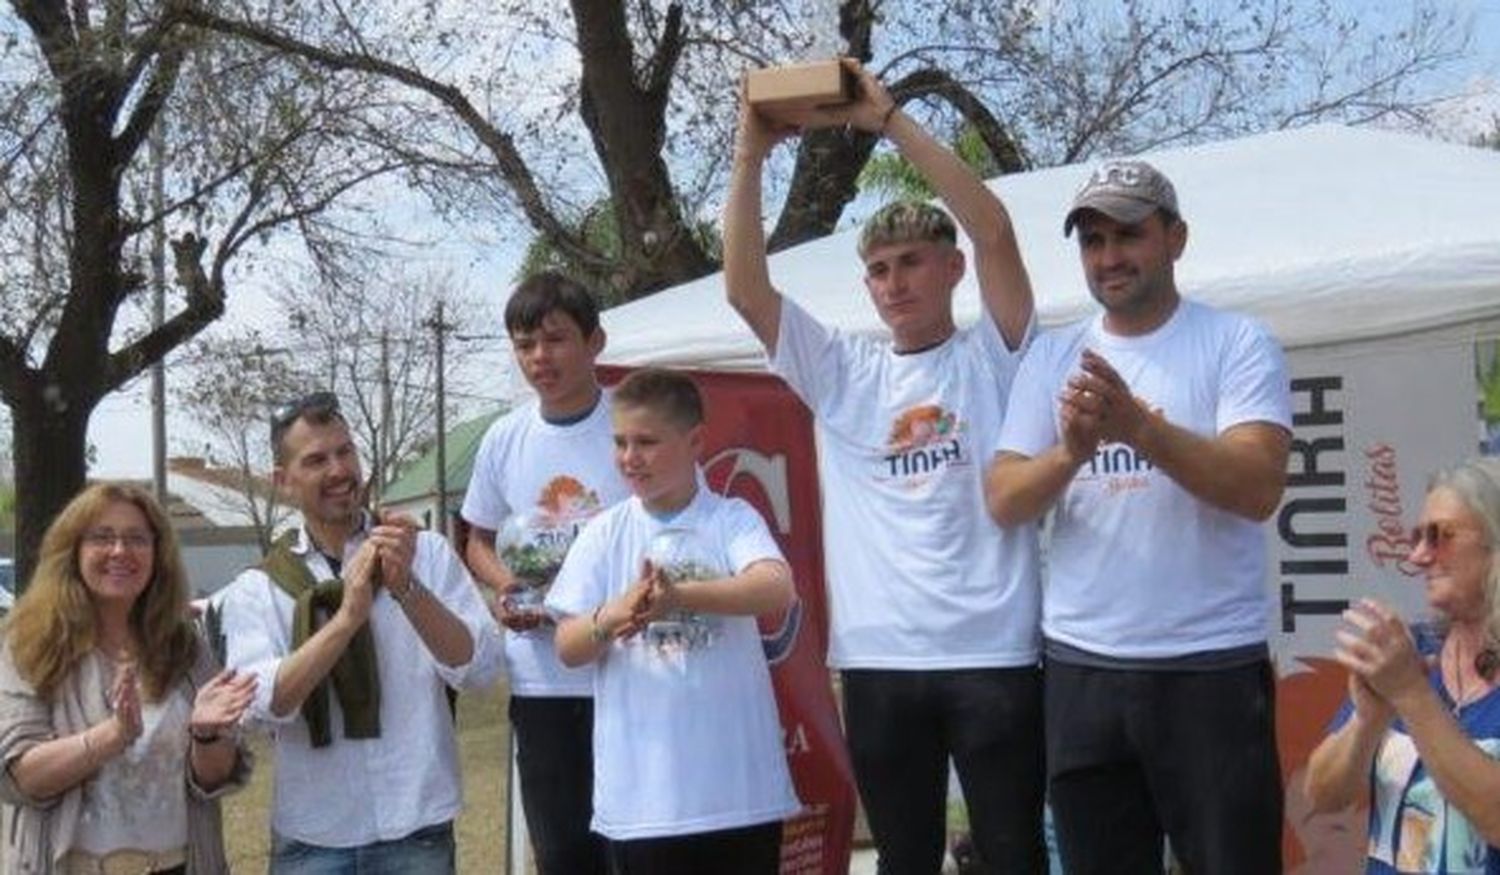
point(565, 499)
point(921, 426)
point(924, 440)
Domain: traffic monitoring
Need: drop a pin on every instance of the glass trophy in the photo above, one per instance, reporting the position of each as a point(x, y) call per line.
point(533, 548)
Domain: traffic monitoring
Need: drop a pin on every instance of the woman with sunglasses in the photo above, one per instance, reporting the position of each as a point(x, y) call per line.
point(1422, 724)
point(117, 731)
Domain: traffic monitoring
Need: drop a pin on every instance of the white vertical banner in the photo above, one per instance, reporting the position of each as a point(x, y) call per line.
point(1369, 428)
point(1370, 424)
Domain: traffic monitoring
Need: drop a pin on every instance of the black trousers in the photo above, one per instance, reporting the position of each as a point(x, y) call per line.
point(903, 726)
point(750, 850)
point(1132, 755)
point(555, 758)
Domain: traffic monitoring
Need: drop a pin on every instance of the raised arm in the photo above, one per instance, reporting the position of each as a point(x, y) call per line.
point(747, 278)
point(1004, 284)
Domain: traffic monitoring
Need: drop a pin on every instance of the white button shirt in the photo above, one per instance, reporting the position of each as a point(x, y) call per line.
point(354, 792)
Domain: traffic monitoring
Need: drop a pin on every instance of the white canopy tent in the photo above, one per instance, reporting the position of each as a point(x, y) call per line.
point(1326, 233)
point(1373, 256)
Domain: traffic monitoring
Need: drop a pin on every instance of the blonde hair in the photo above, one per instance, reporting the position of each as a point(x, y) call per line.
point(906, 222)
point(52, 627)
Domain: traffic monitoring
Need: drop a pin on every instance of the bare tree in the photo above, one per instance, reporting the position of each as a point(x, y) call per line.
point(254, 144)
point(333, 342)
point(372, 341)
point(545, 115)
point(628, 106)
point(235, 384)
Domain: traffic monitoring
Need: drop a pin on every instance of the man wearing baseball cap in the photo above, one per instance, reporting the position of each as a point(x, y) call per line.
point(1157, 432)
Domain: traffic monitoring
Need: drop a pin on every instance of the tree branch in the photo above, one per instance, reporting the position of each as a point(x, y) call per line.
point(205, 303)
point(512, 166)
point(664, 62)
point(935, 82)
point(49, 23)
point(148, 108)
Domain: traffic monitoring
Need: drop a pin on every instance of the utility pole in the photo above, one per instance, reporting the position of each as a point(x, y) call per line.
point(383, 439)
point(441, 329)
point(158, 158)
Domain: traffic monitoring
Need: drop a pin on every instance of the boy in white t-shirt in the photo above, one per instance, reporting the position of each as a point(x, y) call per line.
point(542, 471)
point(933, 611)
point(690, 772)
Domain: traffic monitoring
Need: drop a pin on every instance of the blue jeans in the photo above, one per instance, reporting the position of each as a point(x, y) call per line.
point(428, 851)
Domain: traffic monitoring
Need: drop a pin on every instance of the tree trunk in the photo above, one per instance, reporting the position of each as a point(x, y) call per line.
point(49, 442)
point(625, 113)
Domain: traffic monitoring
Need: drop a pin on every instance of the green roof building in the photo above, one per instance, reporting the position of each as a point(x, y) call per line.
point(414, 491)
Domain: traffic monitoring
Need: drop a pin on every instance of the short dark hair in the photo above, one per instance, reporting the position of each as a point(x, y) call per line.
point(549, 291)
point(671, 394)
point(318, 408)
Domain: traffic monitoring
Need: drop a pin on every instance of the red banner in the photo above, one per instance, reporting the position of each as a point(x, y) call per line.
point(759, 447)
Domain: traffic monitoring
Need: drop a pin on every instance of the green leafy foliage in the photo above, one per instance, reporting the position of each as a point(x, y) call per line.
point(895, 178)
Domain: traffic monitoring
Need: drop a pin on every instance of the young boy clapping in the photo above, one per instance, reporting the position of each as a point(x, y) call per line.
point(690, 773)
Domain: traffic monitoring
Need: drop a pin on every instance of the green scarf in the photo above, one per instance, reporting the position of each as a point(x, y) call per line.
point(356, 680)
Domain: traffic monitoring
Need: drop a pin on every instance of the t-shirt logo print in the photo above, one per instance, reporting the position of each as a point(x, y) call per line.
point(566, 500)
point(534, 543)
point(924, 440)
point(1122, 467)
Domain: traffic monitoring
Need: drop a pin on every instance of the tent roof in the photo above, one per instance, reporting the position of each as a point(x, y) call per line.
point(1326, 233)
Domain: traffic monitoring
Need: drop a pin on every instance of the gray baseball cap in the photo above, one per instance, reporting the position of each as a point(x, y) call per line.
point(1126, 191)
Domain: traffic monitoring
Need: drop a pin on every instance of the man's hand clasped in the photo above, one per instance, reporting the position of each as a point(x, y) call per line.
point(1096, 407)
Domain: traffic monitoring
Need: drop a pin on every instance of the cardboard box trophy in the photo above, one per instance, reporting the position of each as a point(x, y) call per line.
point(800, 86)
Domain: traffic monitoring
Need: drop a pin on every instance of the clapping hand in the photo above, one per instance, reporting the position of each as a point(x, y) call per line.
point(1379, 650)
point(359, 582)
point(125, 705)
point(221, 703)
point(396, 537)
point(646, 600)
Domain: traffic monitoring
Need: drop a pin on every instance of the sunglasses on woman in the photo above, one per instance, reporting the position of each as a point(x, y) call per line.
point(1436, 535)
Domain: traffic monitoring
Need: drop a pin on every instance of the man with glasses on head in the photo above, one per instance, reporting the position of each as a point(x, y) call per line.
point(354, 625)
point(1157, 432)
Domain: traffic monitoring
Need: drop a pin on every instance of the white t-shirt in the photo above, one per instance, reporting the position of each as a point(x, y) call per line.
point(565, 472)
point(919, 576)
point(1138, 567)
point(686, 734)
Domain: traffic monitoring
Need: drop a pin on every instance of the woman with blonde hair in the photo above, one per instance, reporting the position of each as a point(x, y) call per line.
point(1421, 728)
point(117, 731)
